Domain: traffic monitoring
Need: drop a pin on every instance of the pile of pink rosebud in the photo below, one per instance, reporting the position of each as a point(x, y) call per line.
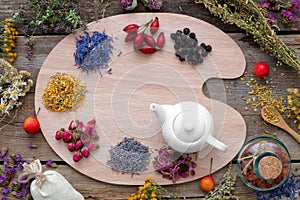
point(79, 137)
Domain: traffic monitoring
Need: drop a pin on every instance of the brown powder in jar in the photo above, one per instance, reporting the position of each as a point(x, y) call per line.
point(270, 167)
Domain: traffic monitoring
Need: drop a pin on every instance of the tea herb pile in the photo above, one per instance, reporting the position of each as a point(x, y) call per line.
point(13, 86)
point(129, 156)
point(172, 165)
point(63, 93)
point(152, 191)
point(8, 35)
point(247, 15)
point(93, 52)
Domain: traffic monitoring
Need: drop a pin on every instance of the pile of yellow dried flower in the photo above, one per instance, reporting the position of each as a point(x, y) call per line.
point(64, 93)
point(152, 191)
point(7, 40)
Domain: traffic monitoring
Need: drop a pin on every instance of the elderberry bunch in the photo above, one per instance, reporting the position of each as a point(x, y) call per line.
point(187, 47)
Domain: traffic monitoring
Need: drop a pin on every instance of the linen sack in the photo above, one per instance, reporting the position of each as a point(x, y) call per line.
point(48, 185)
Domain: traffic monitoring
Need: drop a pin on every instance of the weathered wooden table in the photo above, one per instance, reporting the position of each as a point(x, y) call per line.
point(280, 78)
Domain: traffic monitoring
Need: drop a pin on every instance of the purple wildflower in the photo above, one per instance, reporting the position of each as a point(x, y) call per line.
point(295, 6)
point(272, 18)
point(3, 198)
point(265, 5)
point(288, 15)
point(5, 190)
point(48, 163)
point(10, 170)
point(26, 191)
point(19, 195)
point(30, 146)
point(18, 157)
point(2, 178)
point(154, 4)
point(128, 4)
point(56, 29)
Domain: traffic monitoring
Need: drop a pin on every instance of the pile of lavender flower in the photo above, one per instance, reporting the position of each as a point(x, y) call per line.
point(8, 179)
point(172, 165)
point(93, 52)
point(129, 156)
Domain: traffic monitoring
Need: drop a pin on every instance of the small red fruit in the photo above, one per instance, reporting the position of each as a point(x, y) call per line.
point(149, 40)
point(31, 126)
point(207, 183)
point(154, 25)
point(139, 39)
point(131, 28)
point(130, 37)
point(161, 40)
point(146, 49)
point(261, 69)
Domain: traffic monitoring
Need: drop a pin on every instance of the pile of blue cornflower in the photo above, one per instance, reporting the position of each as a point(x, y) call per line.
point(288, 190)
point(93, 52)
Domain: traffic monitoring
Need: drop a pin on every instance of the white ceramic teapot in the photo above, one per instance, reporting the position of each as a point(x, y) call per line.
point(187, 127)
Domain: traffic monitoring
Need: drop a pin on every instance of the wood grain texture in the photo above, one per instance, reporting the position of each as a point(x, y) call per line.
point(280, 78)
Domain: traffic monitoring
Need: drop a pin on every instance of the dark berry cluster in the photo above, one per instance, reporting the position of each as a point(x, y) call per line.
point(187, 48)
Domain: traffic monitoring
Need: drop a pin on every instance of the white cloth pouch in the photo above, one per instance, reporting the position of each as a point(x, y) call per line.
point(48, 185)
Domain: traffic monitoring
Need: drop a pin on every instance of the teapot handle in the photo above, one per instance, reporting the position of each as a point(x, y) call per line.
point(216, 143)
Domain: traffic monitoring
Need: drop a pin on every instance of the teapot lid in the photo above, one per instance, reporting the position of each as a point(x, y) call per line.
point(189, 126)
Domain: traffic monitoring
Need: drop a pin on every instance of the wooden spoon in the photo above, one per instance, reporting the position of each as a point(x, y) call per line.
point(272, 116)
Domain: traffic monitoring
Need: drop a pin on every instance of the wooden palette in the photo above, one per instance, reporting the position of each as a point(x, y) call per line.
point(120, 101)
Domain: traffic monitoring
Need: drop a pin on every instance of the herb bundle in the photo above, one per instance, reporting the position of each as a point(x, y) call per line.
point(13, 86)
point(248, 15)
point(55, 15)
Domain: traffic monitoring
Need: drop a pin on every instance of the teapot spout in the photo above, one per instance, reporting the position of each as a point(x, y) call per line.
point(159, 112)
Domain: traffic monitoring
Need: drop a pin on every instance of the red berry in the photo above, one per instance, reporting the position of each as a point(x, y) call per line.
point(146, 49)
point(139, 39)
point(31, 126)
point(154, 25)
point(207, 183)
point(161, 40)
point(149, 40)
point(261, 69)
point(131, 28)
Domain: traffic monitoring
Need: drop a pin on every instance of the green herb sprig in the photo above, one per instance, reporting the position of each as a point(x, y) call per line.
point(247, 15)
point(225, 188)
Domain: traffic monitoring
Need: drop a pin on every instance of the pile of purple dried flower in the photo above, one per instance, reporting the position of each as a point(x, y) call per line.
point(172, 165)
point(9, 185)
point(150, 4)
point(275, 10)
point(93, 52)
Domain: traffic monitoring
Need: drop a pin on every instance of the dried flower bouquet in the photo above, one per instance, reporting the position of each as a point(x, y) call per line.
point(247, 15)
